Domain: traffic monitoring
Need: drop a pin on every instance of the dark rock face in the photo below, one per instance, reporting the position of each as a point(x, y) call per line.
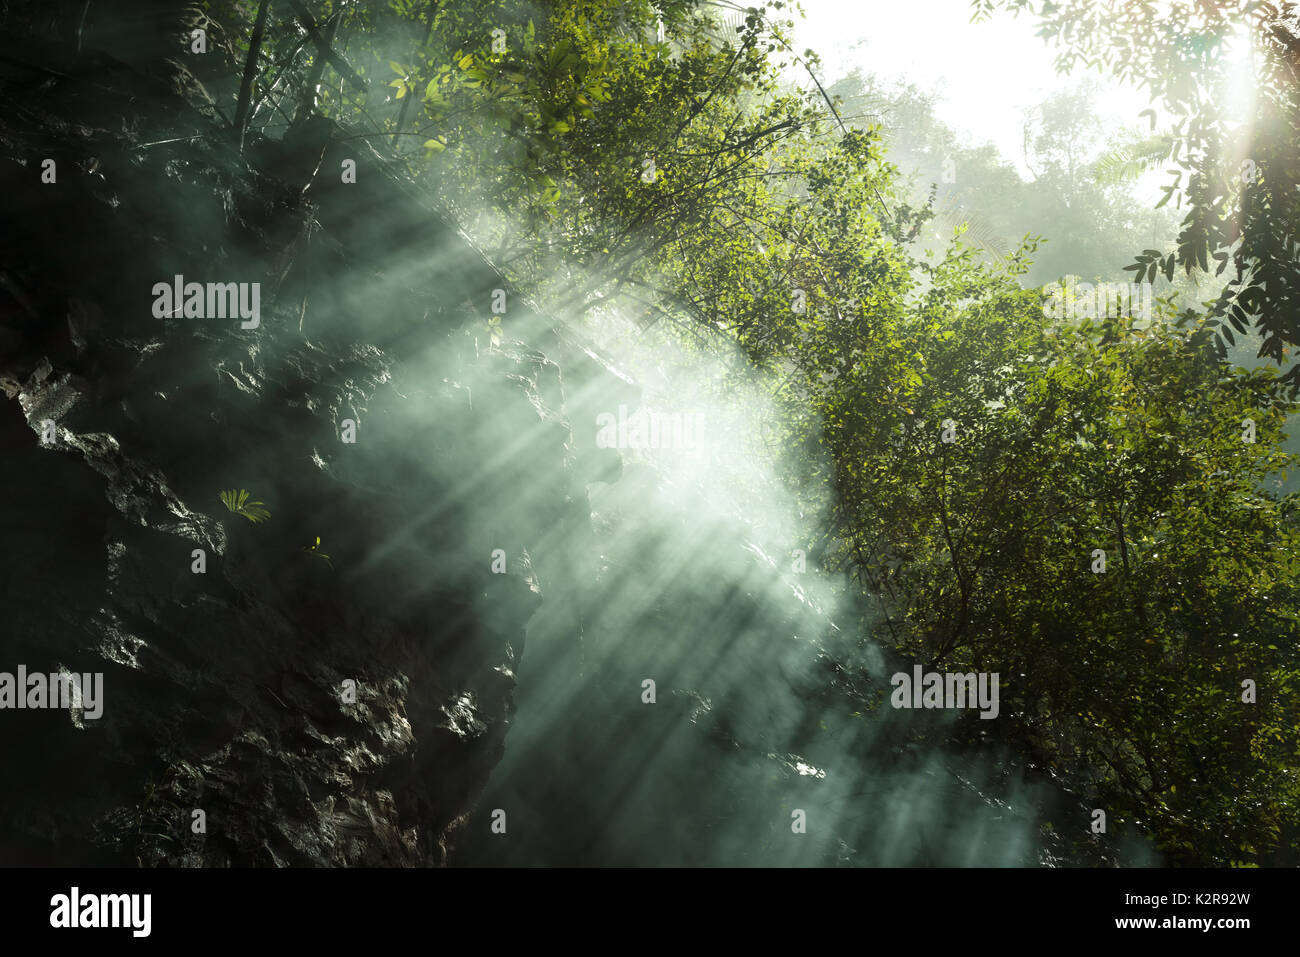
point(227, 691)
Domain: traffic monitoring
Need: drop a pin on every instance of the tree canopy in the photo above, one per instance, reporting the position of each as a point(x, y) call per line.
point(1083, 504)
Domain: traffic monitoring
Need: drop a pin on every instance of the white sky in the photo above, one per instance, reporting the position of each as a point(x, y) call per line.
point(987, 74)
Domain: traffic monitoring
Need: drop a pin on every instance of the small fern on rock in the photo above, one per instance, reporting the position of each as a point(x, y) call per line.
point(238, 503)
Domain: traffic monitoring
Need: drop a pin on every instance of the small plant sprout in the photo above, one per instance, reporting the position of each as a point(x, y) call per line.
point(315, 550)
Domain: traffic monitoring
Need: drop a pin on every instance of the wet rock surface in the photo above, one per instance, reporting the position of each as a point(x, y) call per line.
point(227, 691)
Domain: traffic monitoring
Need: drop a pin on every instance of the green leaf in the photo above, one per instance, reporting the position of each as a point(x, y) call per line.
point(238, 503)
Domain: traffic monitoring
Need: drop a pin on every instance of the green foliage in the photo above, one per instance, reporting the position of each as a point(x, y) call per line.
point(1236, 174)
point(1125, 685)
point(785, 226)
point(1130, 160)
point(1081, 205)
point(238, 503)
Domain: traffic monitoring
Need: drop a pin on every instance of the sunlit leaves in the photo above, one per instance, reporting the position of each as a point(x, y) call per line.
point(1235, 172)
